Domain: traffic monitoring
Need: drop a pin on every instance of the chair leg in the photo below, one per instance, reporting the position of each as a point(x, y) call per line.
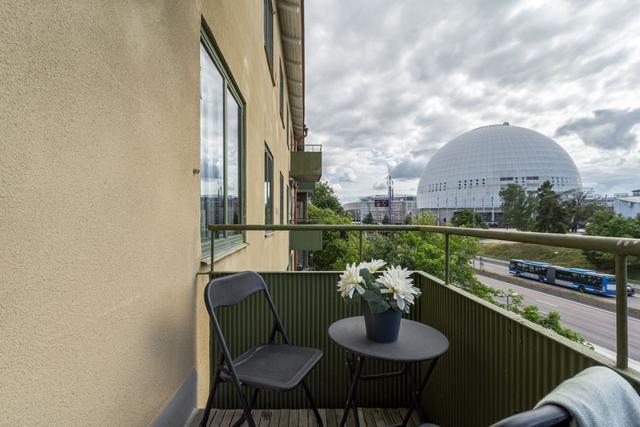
point(253, 404)
point(212, 393)
point(313, 403)
point(246, 409)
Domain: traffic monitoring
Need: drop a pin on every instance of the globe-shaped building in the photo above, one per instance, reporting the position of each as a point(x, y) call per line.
point(470, 170)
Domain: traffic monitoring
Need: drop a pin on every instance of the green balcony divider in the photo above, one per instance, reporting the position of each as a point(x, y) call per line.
point(306, 165)
point(497, 364)
point(306, 186)
point(305, 240)
point(308, 303)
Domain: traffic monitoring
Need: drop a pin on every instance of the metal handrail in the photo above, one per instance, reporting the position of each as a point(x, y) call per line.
point(309, 148)
point(621, 247)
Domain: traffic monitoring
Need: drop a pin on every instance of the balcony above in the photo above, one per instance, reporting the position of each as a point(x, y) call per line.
point(306, 165)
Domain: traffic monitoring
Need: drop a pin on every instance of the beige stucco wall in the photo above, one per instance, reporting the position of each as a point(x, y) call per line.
point(99, 208)
point(236, 27)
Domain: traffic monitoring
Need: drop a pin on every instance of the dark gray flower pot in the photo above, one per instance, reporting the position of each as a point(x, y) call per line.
point(381, 327)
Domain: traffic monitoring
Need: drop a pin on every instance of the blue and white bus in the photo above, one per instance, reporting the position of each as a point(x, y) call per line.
point(575, 278)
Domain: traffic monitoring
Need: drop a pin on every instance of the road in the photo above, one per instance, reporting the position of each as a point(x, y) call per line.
point(595, 325)
point(502, 267)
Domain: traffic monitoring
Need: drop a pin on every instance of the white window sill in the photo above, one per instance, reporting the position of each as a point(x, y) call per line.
point(223, 254)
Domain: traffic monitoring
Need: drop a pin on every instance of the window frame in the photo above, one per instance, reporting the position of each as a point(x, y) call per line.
point(269, 169)
point(268, 13)
point(228, 242)
point(282, 216)
point(281, 94)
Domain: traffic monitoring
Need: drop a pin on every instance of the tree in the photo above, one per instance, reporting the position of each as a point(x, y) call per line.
point(605, 222)
point(517, 207)
point(368, 219)
point(551, 214)
point(323, 197)
point(468, 218)
point(578, 208)
point(385, 219)
point(425, 252)
point(338, 249)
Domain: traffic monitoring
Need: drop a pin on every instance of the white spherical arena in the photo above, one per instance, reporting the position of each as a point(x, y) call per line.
point(470, 170)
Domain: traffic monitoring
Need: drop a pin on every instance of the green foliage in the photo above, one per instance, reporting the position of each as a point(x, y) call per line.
point(468, 218)
point(552, 216)
point(422, 252)
point(532, 313)
point(338, 249)
point(517, 207)
point(368, 219)
point(551, 321)
point(377, 304)
point(324, 197)
point(578, 208)
point(607, 223)
point(425, 252)
point(385, 219)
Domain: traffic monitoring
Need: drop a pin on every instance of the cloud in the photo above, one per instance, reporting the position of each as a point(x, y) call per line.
point(408, 169)
point(607, 129)
point(388, 83)
point(379, 186)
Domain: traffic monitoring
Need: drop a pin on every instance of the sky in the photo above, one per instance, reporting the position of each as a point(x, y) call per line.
point(389, 82)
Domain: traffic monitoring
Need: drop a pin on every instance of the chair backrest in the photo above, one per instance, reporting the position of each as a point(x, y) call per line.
point(232, 289)
point(544, 416)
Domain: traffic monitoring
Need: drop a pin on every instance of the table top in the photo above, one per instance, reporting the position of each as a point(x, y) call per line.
point(416, 341)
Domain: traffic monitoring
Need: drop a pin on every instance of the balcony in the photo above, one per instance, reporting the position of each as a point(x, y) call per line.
point(498, 364)
point(306, 166)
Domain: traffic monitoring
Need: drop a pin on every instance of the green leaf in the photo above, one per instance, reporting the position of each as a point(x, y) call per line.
point(366, 275)
point(370, 295)
point(378, 306)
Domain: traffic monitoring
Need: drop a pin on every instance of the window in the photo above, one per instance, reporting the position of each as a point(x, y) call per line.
point(221, 150)
point(289, 213)
point(281, 199)
point(281, 95)
point(268, 32)
point(268, 186)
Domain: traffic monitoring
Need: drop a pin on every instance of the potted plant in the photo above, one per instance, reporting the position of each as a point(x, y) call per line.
point(384, 295)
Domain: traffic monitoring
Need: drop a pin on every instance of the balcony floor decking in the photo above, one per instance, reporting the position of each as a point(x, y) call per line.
point(369, 417)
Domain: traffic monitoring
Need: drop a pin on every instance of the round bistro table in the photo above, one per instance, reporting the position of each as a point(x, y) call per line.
point(416, 343)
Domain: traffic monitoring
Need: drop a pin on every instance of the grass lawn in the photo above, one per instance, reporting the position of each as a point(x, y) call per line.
point(560, 256)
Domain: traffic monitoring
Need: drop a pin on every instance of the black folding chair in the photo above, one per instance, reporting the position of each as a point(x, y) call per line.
point(544, 416)
point(278, 367)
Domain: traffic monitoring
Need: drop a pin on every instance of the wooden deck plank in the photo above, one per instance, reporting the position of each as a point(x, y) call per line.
point(331, 418)
point(293, 417)
point(284, 418)
point(368, 417)
point(217, 417)
point(389, 417)
point(323, 417)
point(265, 416)
point(378, 418)
point(275, 419)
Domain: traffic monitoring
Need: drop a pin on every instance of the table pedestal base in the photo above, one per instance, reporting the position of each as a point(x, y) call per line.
point(355, 363)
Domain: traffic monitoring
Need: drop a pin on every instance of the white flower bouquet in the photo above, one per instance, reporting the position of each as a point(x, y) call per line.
point(391, 289)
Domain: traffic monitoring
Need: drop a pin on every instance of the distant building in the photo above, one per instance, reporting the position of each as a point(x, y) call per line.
point(470, 170)
point(354, 209)
point(402, 206)
point(627, 206)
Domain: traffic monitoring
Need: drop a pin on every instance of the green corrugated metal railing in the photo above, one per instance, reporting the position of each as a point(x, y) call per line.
point(620, 247)
point(497, 364)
